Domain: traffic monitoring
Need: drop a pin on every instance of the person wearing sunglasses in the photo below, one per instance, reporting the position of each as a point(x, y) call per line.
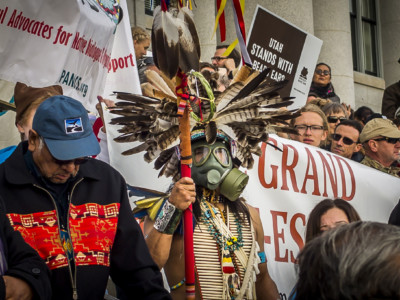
point(345, 140)
point(74, 210)
point(321, 86)
point(311, 125)
point(230, 62)
point(381, 141)
point(335, 113)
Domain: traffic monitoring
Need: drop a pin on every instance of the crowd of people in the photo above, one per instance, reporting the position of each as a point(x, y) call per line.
point(74, 226)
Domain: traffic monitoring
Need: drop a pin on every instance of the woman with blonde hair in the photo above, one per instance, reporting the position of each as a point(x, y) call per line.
point(312, 126)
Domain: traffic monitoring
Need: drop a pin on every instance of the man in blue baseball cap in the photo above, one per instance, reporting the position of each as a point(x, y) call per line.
point(74, 210)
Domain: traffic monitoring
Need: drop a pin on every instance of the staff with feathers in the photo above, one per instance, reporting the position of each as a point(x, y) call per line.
point(176, 51)
point(246, 110)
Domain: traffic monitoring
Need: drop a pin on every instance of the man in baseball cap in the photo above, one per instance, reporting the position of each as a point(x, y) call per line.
point(381, 141)
point(64, 125)
point(74, 210)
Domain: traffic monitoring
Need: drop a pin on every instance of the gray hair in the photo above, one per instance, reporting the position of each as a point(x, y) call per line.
point(359, 260)
point(41, 143)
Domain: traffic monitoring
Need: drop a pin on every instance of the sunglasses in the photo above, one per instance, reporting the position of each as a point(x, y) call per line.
point(332, 119)
point(320, 72)
point(76, 162)
point(389, 140)
point(218, 58)
point(347, 141)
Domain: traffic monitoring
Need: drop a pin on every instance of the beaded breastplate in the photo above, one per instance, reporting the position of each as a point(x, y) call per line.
point(209, 257)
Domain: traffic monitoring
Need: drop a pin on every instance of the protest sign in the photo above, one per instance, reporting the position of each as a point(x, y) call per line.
point(290, 52)
point(58, 42)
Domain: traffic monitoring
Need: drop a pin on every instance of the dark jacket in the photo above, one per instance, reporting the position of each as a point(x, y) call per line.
point(394, 218)
point(106, 238)
point(324, 92)
point(391, 100)
point(18, 259)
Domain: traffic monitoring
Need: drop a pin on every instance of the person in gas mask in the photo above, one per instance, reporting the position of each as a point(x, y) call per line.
point(228, 234)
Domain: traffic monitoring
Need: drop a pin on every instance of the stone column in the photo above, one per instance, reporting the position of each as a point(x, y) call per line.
point(204, 18)
point(332, 26)
point(297, 12)
point(390, 32)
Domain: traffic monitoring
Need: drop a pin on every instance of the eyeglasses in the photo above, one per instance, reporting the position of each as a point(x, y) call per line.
point(347, 141)
point(218, 58)
point(303, 128)
point(202, 153)
point(333, 119)
point(76, 161)
point(320, 72)
point(389, 140)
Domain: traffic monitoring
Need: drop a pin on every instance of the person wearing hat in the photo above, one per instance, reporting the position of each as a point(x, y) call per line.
point(228, 236)
point(381, 141)
point(74, 210)
point(27, 99)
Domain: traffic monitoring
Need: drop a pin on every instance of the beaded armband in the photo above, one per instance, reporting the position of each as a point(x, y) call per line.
point(262, 257)
point(168, 218)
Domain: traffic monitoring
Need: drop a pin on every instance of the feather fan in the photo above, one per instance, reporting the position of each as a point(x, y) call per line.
point(246, 112)
point(175, 41)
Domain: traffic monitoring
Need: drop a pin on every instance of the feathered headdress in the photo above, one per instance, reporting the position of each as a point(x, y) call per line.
point(245, 112)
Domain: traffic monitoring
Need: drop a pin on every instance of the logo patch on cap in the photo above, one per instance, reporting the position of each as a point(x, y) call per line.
point(73, 125)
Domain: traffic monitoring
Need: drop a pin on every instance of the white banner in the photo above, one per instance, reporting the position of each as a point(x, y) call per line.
point(46, 42)
point(286, 185)
point(122, 70)
point(122, 76)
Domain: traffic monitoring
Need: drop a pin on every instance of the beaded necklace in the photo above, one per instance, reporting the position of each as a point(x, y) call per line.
point(228, 244)
point(224, 238)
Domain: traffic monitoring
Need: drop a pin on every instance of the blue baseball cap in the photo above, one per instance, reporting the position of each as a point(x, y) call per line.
point(65, 127)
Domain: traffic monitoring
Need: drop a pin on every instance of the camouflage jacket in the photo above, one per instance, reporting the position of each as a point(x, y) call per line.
point(395, 171)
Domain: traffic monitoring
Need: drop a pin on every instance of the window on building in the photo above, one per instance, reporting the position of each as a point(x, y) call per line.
point(364, 36)
point(150, 5)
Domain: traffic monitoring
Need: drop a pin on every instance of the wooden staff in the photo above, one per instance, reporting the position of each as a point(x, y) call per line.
point(186, 161)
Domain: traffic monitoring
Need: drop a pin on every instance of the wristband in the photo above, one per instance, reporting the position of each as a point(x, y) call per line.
point(168, 218)
point(262, 257)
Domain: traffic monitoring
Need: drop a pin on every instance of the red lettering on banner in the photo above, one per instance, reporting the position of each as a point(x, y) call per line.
point(295, 234)
point(344, 196)
point(121, 63)
point(313, 176)
point(62, 36)
point(261, 168)
point(79, 43)
point(289, 170)
point(3, 13)
point(279, 235)
point(23, 23)
point(327, 168)
point(267, 239)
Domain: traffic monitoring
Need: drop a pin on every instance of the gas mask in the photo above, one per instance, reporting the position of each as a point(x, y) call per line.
point(212, 168)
